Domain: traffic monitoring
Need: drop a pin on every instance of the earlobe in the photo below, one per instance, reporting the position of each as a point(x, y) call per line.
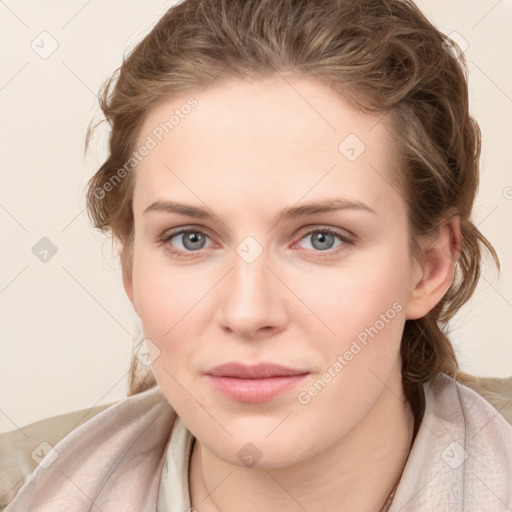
point(435, 271)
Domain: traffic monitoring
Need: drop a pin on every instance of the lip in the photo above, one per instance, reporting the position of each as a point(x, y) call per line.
point(257, 371)
point(256, 383)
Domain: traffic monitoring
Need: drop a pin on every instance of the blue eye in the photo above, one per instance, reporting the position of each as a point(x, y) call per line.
point(322, 239)
point(194, 240)
point(191, 239)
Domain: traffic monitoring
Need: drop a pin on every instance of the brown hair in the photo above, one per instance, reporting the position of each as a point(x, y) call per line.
point(383, 56)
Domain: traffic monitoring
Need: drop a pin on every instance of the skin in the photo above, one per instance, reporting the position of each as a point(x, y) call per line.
point(247, 151)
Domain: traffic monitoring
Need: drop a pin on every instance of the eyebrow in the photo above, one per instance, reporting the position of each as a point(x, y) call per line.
point(292, 212)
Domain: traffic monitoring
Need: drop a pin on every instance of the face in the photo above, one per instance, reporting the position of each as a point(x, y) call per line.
point(260, 277)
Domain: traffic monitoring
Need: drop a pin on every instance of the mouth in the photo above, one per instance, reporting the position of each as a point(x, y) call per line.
point(254, 384)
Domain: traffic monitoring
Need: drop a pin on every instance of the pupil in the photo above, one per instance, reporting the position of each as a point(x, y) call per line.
point(321, 237)
point(192, 238)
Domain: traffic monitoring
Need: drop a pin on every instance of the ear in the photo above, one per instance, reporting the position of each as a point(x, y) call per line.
point(435, 271)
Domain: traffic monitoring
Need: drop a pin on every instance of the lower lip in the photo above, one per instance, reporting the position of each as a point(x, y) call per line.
point(254, 390)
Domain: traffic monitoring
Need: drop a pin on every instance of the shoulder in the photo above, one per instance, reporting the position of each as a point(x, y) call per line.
point(22, 449)
point(462, 454)
point(49, 460)
point(480, 442)
point(497, 391)
point(479, 420)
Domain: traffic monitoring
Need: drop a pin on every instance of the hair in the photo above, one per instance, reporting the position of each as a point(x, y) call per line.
point(383, 56)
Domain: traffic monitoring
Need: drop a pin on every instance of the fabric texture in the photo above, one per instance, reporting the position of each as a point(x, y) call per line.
point(135, 456)
point(111, 463)
point(173, 493)
point(461, 459)
point(22, 449)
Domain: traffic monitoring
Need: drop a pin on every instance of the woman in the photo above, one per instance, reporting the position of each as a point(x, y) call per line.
point(291, 184)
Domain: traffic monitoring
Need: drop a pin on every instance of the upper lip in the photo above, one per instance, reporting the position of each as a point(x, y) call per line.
point(261, 370)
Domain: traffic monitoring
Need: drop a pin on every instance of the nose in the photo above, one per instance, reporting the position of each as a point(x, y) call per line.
point(253, 300)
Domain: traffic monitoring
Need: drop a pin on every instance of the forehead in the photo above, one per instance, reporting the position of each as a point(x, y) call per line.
point(282, 137)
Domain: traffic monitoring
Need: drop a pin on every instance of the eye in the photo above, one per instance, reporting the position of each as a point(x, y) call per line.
point(192, 240)
point(323, 238)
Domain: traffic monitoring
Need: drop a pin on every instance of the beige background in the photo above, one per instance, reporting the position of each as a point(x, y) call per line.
point(67, 327)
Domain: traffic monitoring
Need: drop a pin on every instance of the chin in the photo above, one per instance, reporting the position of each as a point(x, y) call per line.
point(263, 443)
point(260, 453)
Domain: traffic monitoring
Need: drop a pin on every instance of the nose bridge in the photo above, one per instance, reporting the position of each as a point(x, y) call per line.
point(250, 281)
point(250, 295)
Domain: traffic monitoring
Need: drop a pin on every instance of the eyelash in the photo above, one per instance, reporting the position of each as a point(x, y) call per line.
point(167, 236)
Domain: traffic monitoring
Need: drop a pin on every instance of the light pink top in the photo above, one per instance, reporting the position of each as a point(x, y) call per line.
point(130, 458)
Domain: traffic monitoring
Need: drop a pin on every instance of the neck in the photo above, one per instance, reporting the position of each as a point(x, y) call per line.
point(356, 473)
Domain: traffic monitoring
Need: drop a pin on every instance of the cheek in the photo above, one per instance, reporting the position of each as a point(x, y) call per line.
point(174, 305)
point(164, 293)
point(366, 312)
point(168, 304)
point(350, 300)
